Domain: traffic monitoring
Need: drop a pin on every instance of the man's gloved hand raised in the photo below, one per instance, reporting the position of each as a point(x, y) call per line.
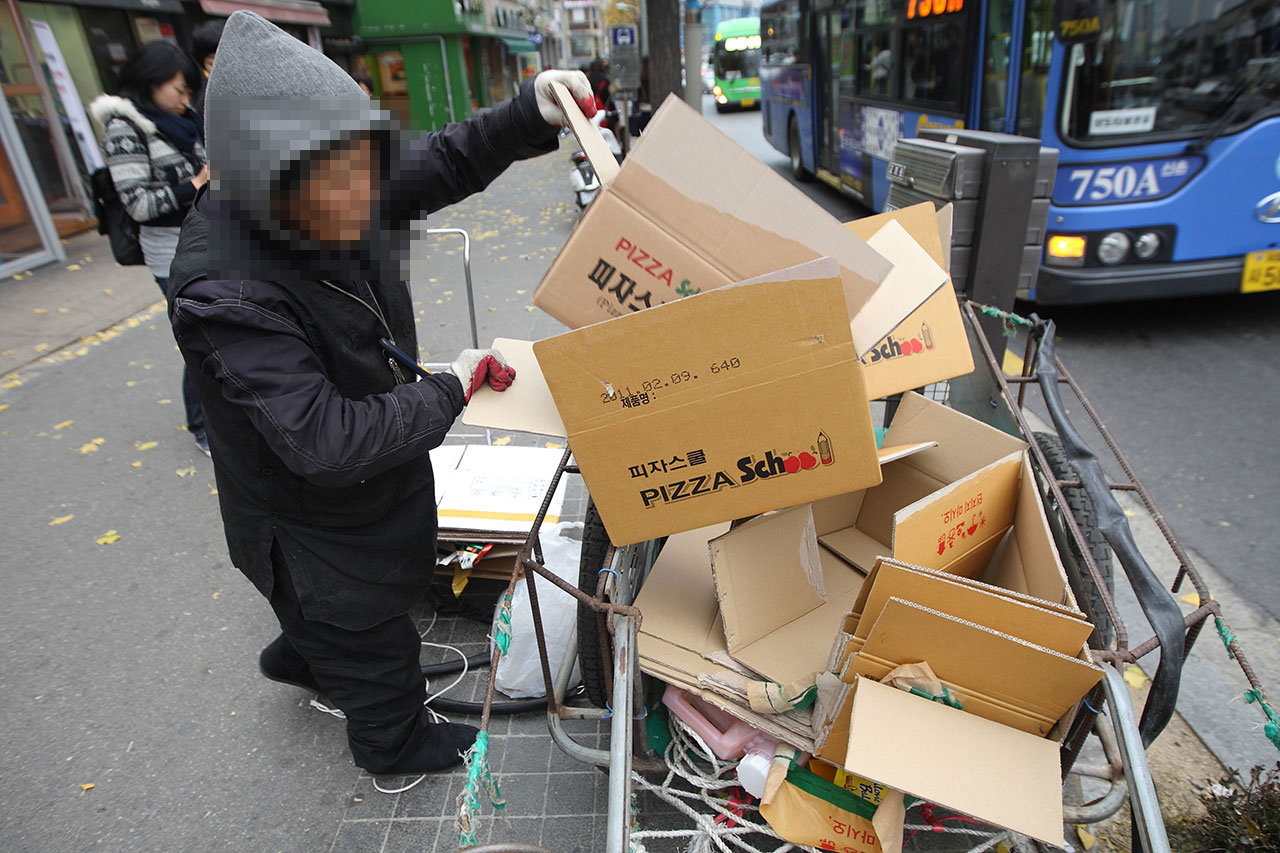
point(575, 82)
point(474, 366)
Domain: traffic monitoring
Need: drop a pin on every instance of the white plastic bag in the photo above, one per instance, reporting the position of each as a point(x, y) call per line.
point(520, 669)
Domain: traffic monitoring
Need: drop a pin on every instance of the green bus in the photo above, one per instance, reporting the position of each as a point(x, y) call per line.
point(737, 64)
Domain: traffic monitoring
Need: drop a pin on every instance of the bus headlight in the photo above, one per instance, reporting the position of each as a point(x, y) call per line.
point(715, 90)
point(1147, 246)
point(1065, 249)
point(1114, 247)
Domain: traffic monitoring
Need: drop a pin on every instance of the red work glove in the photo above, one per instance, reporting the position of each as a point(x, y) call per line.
point(474, 366)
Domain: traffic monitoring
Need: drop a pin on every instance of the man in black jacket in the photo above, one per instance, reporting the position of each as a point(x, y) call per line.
point(287, 277)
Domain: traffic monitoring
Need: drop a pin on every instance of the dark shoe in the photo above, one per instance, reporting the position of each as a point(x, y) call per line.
point(280, 662)
point(441, 748)
point(202, 442)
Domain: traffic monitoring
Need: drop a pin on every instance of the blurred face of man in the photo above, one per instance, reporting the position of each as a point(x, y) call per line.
point(334, 200)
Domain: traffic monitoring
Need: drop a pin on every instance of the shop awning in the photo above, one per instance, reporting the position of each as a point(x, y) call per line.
point(283, 11)
point(173, 7)
point(519, 45)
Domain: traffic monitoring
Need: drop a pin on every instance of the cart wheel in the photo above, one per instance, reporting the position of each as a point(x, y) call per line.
point(1081, 507)
point(595, 543)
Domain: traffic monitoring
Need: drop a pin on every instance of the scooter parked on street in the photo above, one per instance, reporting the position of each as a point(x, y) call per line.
point(583, 177)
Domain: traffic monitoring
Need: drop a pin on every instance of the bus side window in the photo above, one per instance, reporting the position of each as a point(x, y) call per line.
point(931, 68)
point(875, 63)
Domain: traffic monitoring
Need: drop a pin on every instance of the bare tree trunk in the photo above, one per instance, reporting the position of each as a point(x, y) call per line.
point(664, 50)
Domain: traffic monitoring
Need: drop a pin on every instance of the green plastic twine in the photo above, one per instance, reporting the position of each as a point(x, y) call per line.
point(502, 634)
point(945, 697)
point(1011, 321)
point(478, 776)
point(1227, 637)
point(1272, 728)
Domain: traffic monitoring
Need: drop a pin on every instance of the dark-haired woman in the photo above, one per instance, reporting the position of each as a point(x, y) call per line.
point(153, 143)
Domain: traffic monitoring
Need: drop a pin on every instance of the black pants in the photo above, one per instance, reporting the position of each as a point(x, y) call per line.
point(373, 675)
point(190, 400)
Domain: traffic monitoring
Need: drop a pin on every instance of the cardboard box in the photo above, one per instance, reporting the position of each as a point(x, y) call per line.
point(493, 494)
point(930, 345)
point(721, 406)
point(861, 526)
point(690, 211)
point(782, 596)
point(961, 761)
point(681, 639)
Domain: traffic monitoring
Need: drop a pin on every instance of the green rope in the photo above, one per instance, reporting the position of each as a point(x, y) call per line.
point(1272, 728)
point(478, 776)
point(1227, 637)
point(502, 633)
point(945, 697)
point(1011, 320)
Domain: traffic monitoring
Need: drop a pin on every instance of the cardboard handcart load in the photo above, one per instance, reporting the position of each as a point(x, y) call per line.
point(689, 211)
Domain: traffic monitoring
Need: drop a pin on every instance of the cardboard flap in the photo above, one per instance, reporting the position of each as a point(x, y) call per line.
point(945, 756)
point(526, 406)
point(678, 598)
point(799, 649)
point(958, 518)
point(1031, 547)
point(965, 444)
point(765, 573)
point(855, 547)
point(946, 216)
point(902, 451)
point(911, 263)
point(972, 601)
point(588, 136)
point(713, 194)
point(980, 661)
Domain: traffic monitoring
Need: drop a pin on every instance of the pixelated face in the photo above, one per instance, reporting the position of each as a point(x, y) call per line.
point(333, 200)
point(172, 95)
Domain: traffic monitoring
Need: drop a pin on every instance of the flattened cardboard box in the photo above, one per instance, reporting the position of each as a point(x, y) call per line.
point(717, 407)
point(930, 345)
point(690, 211)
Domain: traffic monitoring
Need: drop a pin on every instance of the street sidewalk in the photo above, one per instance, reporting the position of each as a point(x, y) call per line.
point(57, 304)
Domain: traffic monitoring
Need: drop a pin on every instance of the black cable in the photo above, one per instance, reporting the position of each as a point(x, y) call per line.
point(452, 665)
point(453, 706)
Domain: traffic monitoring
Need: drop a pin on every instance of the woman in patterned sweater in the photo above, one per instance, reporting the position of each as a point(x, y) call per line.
point(153, 143)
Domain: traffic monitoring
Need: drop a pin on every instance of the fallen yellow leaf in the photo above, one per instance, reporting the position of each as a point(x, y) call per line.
point(3, 406)
point(63, 425)
point(1134, 676)
point(502, 441)
point(137, 463)
point(1192, 598)
point(216, 596)
point(528, 307)
point(212, 490)
point(186, 472)
point(554, 446)
point(144, 445)
point(62, 519)
point(1087, 841)
point(73, 268)
point(86, 786)
point(91, 446)
point(108, 537)
point(521, 292)
point(130, 383)
point(108, 291)
point(40, 311)
point(11, 382)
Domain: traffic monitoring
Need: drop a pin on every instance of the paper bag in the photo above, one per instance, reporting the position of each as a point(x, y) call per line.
point(807, 809)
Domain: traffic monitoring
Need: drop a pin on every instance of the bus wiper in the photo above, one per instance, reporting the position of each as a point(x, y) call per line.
point(1234, 104)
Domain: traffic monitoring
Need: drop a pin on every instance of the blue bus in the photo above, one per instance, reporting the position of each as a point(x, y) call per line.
point(1166, 114)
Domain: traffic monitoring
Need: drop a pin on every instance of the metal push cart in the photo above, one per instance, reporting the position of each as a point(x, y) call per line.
point(1088, 526)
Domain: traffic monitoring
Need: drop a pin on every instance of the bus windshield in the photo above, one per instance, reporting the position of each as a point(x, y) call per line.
point(738, 57)
point(1173, 69)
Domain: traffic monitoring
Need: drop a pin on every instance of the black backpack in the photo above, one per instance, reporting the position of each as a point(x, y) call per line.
point(113, 219)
